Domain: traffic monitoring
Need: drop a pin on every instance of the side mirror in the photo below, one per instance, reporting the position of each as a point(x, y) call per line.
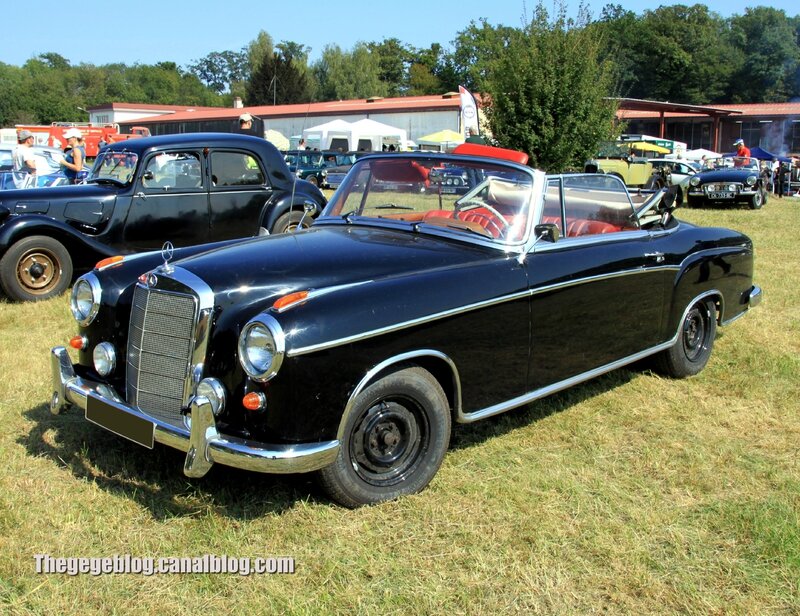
point(148, 175)
point(547, 231)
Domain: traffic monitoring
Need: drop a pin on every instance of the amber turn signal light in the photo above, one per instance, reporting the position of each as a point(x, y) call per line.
point(78, 342)
point(290, 300)
point(254, 401)
point(108, 261)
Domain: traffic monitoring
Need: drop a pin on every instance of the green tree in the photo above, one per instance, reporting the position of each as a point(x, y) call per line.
point(619, 34)
point(347, 75)
point(688, 56)
point(475, 49)
point(278, 81)
point(394, 60)
point(768, 42)
point(548, 92)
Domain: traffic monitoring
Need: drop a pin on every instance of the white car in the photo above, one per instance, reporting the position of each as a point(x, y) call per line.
point(679, 173)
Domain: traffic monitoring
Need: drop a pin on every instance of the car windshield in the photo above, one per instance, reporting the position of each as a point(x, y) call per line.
point(114, 165)
point(739, 162)
point(489, 200)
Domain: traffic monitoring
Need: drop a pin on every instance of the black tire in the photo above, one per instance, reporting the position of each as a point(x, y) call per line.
point(757, 200)
point(394, 440)
point(35, 268)
point(313, 180)
point(291, 221)
point(691, 351)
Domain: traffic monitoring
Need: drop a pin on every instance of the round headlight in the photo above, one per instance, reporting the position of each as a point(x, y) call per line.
point(751, 180)
point(104, 358)
point(695, 181)
point(85, 299)
point(261, 348)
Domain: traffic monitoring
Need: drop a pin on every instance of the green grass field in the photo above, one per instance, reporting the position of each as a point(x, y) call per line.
point(630, 494)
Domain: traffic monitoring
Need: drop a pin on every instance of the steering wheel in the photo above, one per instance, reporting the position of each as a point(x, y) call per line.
point(496, 221)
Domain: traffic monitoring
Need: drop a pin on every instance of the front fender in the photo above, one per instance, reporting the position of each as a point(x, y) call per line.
point(16, 228)
point(291, 201)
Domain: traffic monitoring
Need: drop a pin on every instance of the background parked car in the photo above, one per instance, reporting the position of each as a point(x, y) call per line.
point(188, 189)
point(728, 181)
point(675, 173)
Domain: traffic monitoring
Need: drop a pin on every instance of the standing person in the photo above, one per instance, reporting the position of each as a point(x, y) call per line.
point(780, 179)
point(245, 123)
point(74, 158)
point(742, 152)
point(474, 137)
point(24, 158)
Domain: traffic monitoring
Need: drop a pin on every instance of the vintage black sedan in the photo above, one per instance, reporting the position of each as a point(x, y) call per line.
point(189, 189)
point(351, 348)
point(727, 181)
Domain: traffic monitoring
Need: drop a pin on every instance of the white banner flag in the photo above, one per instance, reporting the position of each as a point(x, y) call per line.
point(469, 112)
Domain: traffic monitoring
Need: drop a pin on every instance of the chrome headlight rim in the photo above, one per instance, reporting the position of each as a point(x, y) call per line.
point(85, 315)
point(268, 323)
point(694, 181)
point(751, 180)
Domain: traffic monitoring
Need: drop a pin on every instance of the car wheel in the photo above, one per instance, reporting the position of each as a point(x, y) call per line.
point(313, 179)
point(35, 268)
point(290, 221)
point(393, 441)
point(691, 351)
point(757, 200)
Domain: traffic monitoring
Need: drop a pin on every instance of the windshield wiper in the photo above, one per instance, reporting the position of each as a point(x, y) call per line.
point(392, 206)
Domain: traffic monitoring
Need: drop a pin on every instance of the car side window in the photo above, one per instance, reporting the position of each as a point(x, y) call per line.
point(235, 169)
point(172, 172)
point(593, 204)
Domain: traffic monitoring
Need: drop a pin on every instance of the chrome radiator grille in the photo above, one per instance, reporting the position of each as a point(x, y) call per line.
point(161, 339)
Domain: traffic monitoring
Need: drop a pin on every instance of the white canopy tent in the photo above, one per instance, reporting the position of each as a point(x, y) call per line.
point(700, 153)
point(371, 135)
point(322, 135)
point(367, 135)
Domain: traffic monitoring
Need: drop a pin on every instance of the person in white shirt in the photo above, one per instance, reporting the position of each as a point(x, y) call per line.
point(24, 158)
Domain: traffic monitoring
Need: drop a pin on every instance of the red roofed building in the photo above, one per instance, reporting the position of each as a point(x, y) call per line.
point(773, 126)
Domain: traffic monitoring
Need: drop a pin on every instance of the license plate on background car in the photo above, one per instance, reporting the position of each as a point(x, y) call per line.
point(722, 195)
point(121, 423)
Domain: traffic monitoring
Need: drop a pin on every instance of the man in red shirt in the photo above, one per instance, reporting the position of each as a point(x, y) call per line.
point(742, 152)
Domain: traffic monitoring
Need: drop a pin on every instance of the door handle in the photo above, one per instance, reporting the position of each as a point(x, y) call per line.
point(141, 195)
point(658, 256)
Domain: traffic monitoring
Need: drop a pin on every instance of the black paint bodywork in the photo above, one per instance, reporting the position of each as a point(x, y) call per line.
point(95, 220)
point(496, 327)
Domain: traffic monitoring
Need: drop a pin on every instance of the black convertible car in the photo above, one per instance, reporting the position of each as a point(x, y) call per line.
point(727, 181)
point(351, 348)
point(189, 189)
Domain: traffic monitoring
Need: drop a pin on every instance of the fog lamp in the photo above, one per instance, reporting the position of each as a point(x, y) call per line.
point(104, 358)
point(215, 392)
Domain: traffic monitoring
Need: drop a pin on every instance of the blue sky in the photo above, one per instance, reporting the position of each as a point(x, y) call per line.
point(148, 31)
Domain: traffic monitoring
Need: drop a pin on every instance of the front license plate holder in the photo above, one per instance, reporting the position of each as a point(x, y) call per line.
point(722, 195)
point(120, 422)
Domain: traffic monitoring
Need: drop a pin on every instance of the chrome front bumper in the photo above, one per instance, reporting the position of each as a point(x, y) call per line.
point(201, 441)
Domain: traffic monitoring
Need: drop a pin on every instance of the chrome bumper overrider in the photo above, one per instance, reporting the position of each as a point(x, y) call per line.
point(754, 297)
point(203, 444)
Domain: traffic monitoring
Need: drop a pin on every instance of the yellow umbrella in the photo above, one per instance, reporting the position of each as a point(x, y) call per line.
point(647, 146)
